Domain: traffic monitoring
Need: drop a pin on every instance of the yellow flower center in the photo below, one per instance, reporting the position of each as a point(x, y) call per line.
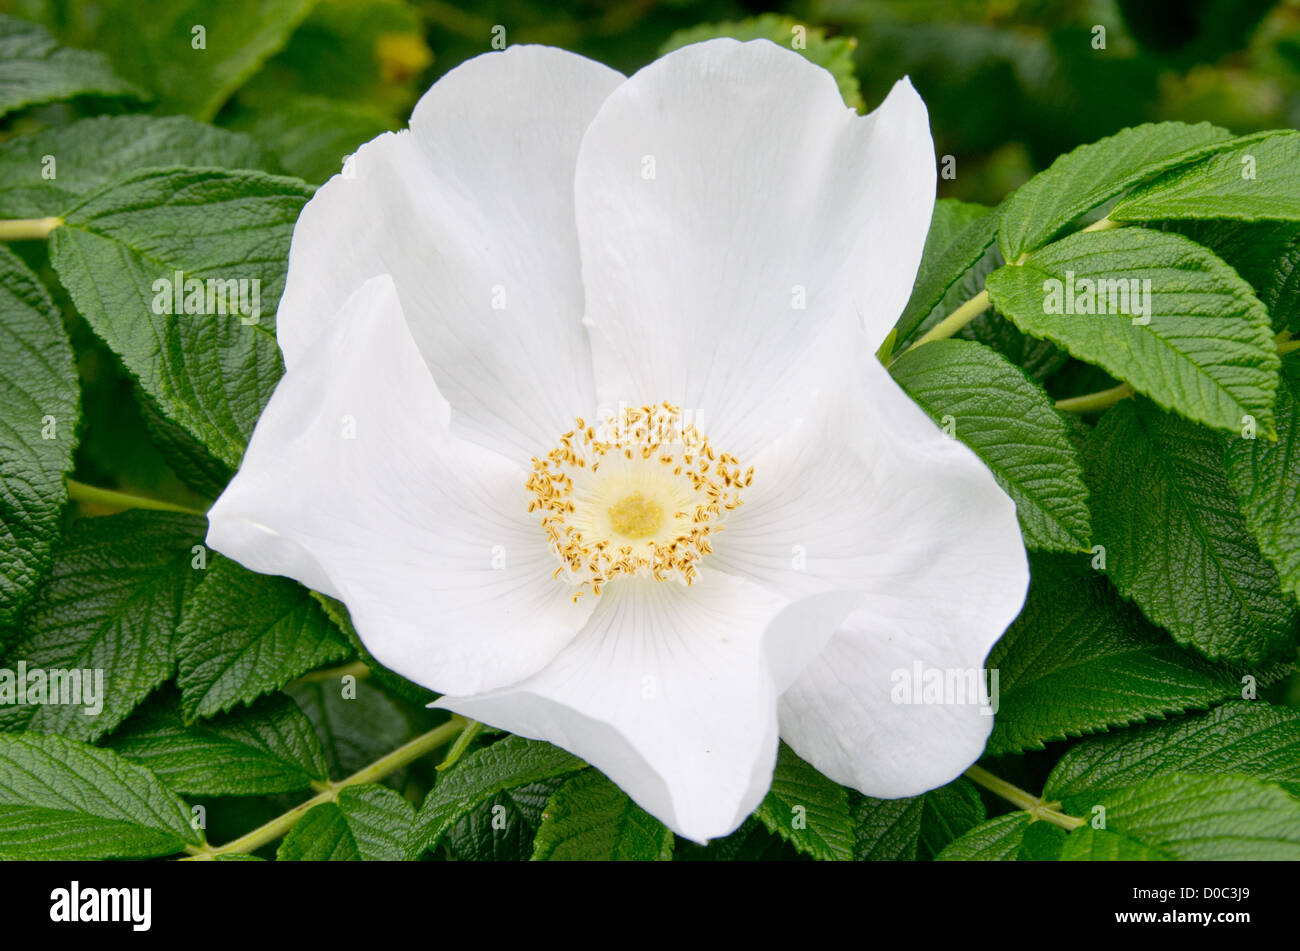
point(642, 498)
point(634, 516)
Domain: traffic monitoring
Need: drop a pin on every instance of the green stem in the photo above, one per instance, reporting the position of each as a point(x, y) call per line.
point(462, 743)
point(1288, 346)
point(356, 669)
point(28, 229)
point(1034, 805)
point(1103, 224)
point(81, 492)
point(1095, 402)
point(277, 827)
point(958, 319)
point(972, 308)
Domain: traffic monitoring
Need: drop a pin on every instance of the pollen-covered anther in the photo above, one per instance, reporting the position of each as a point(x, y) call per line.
point(641, 497)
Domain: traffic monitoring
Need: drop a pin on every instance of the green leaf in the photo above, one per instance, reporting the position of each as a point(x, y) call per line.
point(1079, 660)
point(1011, 425)
point(507, 764)
point(502, 828)
point(1265, 254)
point(394, 683)
point(1176, 542)
point(1202, 817)
point(834, 54)
point(1207, 351)
point(998, 840)
point(915, 827)
point(1258, 179)
point(1252, 737)
point(210, 372)
point(1098, 845)
point(368, 822)
point(38, 388)
point(111, 605)
point(312, 135)
point(35, 69)
point(359, 52)
point(808, 810)
point(244, 634)
point(1266, 478)
point(267, 748)
point(752, 842)
point(60, 799)
point(358, 723)
point(1092, 174)
point(93, 152)
point(590, 819)
point(157, 44)
point(960, 249)
point(1042, 843)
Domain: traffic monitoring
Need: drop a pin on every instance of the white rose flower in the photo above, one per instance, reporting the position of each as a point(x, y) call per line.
point(582, 421)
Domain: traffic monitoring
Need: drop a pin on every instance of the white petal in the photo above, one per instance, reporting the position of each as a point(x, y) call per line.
point(353, 484)
point(671, 692)
point(471, 212)
point(717, 187)
point(875, 496)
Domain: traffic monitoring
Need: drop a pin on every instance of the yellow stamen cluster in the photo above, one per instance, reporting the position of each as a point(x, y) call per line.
point(641, 497)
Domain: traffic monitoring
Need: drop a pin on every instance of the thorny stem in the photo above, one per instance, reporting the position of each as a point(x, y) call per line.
point(277, 827)
point(81, 492)
point(1034, 805)
point(28, 229)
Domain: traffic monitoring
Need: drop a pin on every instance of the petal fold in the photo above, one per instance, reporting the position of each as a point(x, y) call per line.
point(736, 218)
point(471, 213)
point(354, 485)
point(671, 692)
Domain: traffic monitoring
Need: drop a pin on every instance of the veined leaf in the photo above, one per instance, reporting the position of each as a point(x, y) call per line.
point(268, 748)
point(90, 153)
point(1206, 349)
point(111, 606)
point(1176, 542)
point(1266, 477)
point(120, 253)
point(482, 774)
point(590, 819)
point(1010, 423)
point(915, 827)
point(1093, 174)
point(35, 69)
point(1258, 179)
point(368, 822)
point(1252, 737)
point(244, 634)
point(1099, 845)
point(998, 840)
point(808, 810)
point(1079, 660)
point(961, 239)
point(38, 388)
point(60, 799)
point(1202, 817)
